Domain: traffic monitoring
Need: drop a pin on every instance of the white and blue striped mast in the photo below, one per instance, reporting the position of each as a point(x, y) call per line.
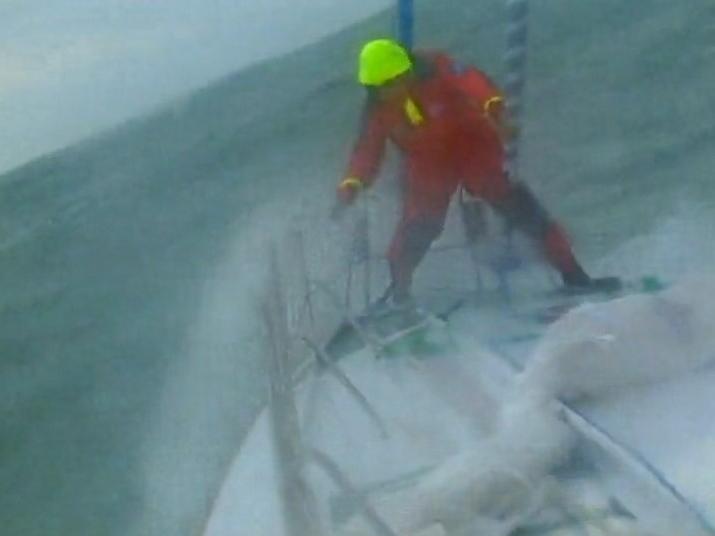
point(515, 59)
point(515, 56)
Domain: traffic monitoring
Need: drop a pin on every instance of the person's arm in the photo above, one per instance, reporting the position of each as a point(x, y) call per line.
point(365, 159)
point(488, 100)
point(482, 94)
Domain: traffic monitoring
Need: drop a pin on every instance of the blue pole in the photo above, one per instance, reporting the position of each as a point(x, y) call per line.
point(406, 22)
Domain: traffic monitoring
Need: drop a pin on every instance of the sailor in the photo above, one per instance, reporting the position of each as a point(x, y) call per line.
point(450, 124)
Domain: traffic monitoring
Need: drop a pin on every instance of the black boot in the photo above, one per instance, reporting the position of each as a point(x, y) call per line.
point(577, 280)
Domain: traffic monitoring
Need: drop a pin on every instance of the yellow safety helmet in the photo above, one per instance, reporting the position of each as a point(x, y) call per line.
point(381, 60)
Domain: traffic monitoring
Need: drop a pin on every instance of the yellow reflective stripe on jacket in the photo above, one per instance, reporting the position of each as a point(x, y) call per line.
point(352, 182)
point(413, 112)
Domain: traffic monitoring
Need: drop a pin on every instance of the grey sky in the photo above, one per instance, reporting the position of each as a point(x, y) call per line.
point(71, 67)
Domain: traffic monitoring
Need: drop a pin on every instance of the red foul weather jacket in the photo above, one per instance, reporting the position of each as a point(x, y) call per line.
point(448, 130)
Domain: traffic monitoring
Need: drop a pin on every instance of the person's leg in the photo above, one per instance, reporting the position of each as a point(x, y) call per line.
point(424, 210)
point(411, 242)
point(520, 208)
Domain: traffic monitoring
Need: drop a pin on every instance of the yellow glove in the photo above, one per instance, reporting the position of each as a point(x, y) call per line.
point(495, 111)
point(348, 190)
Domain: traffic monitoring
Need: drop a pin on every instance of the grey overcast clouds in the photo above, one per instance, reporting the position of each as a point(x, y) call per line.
point(69, 68)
